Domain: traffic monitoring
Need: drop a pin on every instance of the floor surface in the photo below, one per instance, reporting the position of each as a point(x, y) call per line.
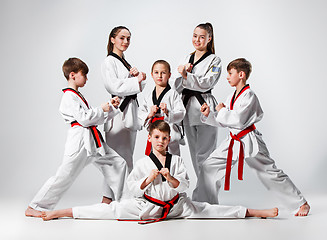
point(14, 225)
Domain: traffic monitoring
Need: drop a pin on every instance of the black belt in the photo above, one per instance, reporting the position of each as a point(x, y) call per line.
point(95, 133)
point(190, 93)
point(166, 205)
point(127, 99)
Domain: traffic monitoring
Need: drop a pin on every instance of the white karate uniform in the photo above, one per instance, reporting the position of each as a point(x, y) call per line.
point(246, 112)
point(202, 139)
point(80, 150)
point(176, 113)
point(140, 208)
point(123, 127)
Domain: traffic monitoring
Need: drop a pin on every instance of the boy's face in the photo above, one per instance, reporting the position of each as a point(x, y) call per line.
point(122, 40)
point(160, 75)
point(79, 78)
point(234, 78)
point(159, 140)
point(200, 39)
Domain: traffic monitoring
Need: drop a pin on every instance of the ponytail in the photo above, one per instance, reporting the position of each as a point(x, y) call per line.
point(208, 27)
point(113, 34)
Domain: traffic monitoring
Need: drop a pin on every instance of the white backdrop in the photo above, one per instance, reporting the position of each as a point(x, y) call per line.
point(284, 40)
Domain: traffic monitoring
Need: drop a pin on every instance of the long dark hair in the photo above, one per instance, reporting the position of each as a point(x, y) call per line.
point(208, 27)
point(113, 34)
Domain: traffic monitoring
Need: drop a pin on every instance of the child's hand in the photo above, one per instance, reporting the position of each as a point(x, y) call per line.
point(134, 72)
point(163, 107)
point(188, 67)
point(105, 107)
point(141, 76)
point(173, 181)
point(182, 71)
point(220, 106)
point(153, 174)
point(115, 101)
point(165, 172)
point(153, 110)
point(205, 109)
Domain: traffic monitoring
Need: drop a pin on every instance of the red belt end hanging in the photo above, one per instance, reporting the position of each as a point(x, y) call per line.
point(148, 148)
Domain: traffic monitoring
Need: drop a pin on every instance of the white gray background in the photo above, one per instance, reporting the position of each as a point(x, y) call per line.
point(284, 40)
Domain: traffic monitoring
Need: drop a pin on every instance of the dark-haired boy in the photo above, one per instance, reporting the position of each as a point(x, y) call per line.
point(239, 114)
point(158, 182)
point(84, 144)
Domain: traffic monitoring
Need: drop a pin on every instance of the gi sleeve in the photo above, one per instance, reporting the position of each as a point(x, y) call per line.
point(176, 80)
point(143, 113)
point(112, 113)
point(211, 119)
point(177, 111)
point(181, 175)
point(204, 81)
point(241, 117)
point(136, 178)
point(119, 86)
point(85, 117)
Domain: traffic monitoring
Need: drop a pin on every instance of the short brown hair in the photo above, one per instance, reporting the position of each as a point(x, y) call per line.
point(161, 125)
point(241, 64)
point(74, 65)
point(163, 62)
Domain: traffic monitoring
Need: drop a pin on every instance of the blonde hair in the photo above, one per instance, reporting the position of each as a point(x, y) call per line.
point(163, 62)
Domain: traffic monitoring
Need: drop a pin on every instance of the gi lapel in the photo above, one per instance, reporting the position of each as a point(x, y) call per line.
point(158, 163)
point(78, 94)
point(162, 94)
point(233, 100)
point(191, 60)
point(123, 60)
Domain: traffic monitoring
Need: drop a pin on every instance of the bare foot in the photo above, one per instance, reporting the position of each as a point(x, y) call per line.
point(304, 210)
point(31, 212)
point(49, 215)
point(273, 212)
point(106, 200)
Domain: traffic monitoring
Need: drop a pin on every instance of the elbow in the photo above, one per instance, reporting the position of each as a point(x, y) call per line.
point(109, 89)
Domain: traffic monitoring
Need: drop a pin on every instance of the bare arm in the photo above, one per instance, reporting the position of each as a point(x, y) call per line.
point(154, 173)
point(165, 172)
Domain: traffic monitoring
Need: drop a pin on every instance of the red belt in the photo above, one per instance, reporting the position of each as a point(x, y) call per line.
point(167, 206)
point(95, 132)
point(148, 144)
point(241, 155)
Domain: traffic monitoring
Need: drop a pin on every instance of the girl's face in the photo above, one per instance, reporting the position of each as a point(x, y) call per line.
point(200, 39)
point(160, 75)
point(121, 41)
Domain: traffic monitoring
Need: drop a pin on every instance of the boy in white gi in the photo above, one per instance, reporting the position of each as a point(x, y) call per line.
point(84, 144)
point(163, 103)
point(158, 182)
point(239, 114)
